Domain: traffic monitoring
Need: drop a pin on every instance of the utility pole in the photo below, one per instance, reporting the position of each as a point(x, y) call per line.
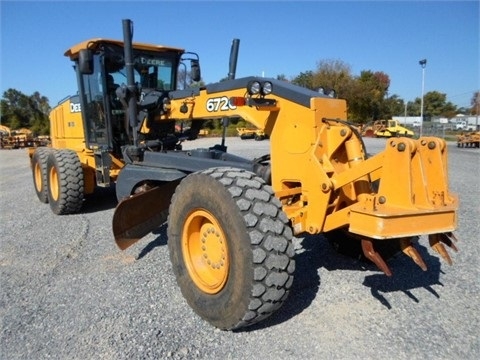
point(477, 105)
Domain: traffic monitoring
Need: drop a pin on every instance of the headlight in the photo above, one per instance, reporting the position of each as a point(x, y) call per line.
point(267, 88)
point(254, 87)
point(327, 92)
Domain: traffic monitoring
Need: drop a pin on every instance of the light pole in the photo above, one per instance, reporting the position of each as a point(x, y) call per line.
point(423, 64)
point(477, 105)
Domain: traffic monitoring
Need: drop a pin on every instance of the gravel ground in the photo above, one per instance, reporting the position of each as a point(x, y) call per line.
point(67, 292)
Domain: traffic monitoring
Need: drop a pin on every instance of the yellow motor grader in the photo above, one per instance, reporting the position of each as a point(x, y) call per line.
point(231, 220)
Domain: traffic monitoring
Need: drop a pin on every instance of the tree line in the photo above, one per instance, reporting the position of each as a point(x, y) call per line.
point(367, 98)
point(25, 111)
point(368, 95)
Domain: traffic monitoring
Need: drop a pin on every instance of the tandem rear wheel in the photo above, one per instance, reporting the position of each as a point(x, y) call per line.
point(65, 183)
point(39, 172)
point(230, 247)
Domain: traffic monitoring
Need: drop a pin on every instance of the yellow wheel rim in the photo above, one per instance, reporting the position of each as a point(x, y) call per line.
point(37, 171)
point(53, 182)
point(205, 251)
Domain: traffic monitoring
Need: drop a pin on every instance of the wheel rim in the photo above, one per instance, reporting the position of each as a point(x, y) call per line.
point(53, 183)
point(37, 171)
point(205, 251)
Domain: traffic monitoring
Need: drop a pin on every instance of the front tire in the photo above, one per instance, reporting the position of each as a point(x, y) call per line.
point(230, 247)
point(65, 182)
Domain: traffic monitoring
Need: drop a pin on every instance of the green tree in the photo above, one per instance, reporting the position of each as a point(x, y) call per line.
point(334, 74)
point(434, 104)
point(413, 107)
point(392, 106)
point(22, 111)
point(366, 94)
point(39, 123)
point(304, 79)
point(367, 102)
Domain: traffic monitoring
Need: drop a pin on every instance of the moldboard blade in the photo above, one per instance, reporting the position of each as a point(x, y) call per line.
point(141, 213)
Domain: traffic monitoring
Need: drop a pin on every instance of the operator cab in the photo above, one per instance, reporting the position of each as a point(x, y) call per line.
point(102, 84)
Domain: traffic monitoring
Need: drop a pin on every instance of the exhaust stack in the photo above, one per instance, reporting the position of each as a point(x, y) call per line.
point(132, 89)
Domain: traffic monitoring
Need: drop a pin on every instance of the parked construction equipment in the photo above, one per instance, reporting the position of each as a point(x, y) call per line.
point(469, 140)
point(386, 128)
point(246, 133)
point(21, 138)
point(231, 220)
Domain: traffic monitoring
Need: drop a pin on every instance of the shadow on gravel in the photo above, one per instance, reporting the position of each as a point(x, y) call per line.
point(406, 276)
point(102, 199)
point(161, 240)
point(315, 253)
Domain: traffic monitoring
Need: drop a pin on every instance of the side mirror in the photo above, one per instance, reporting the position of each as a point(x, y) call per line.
point(85, 61)
point(195, 70)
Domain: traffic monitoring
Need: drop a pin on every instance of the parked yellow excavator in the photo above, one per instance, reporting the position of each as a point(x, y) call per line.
point(231, 220)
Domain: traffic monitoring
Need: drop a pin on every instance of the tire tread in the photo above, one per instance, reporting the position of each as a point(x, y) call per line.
point(270, 242)
point(71, 182)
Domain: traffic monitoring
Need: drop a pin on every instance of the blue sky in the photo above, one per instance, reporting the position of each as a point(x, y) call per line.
point(276, 37)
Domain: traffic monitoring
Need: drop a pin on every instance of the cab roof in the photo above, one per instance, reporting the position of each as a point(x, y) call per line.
point(72, 53)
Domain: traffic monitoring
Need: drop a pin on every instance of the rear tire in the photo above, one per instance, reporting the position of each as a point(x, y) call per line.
point(39, 172)
point(65, 182)
point(230, 247)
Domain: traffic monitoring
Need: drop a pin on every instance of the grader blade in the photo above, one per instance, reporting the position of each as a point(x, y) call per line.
point(410, 251)
point(374, 256)
point(141, 213)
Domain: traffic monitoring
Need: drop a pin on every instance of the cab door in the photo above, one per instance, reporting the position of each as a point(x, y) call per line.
point(94, 107)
